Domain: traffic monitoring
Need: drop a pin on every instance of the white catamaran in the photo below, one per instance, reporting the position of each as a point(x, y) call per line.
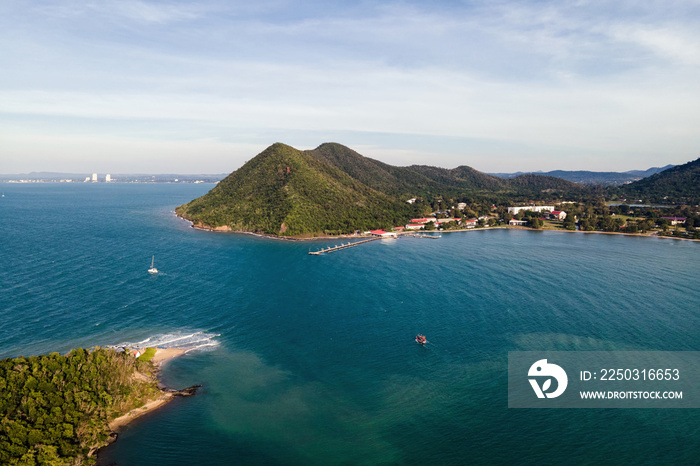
point(153, 269)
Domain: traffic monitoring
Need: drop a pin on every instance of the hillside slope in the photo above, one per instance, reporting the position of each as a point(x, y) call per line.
point(678, 184)
point(427, 181)
point(404, 182)
point(287, 192)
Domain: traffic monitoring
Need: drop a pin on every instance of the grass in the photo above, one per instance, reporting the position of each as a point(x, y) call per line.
point(552, 225)
point(148, 354)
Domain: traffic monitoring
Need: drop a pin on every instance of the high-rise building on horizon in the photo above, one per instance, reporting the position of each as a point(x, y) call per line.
point(108, 178)
point(94, 177)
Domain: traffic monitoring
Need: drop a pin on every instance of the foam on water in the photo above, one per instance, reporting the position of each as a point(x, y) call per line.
point(189, 341)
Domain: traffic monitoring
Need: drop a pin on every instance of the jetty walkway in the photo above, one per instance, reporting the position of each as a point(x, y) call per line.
point(423, 235)
point(341, 246)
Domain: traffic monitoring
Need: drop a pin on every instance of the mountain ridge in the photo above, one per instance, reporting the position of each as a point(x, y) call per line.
point(680, 183)
point(593, 177)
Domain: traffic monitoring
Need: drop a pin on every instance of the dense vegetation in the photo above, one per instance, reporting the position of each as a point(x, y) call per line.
point(680, 184)
point(287, 192)
point(56, 408)
point(332, 189)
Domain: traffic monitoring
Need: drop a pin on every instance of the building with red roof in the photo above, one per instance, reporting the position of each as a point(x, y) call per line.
point(558, 214)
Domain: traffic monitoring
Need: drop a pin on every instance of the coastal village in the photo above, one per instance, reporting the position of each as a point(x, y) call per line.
point(539, 217)
point(612, 218)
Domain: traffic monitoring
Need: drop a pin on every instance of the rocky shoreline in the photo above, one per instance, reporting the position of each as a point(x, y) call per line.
point(166, 394)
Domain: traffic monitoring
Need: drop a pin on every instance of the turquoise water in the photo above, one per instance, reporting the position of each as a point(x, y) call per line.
point(312, 359)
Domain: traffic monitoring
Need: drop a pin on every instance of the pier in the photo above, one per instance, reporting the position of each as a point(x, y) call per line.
point(341, 246)
point(424, 235)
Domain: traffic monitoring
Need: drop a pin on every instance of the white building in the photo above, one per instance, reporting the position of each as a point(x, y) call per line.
point(534, 208)
point(108, 178)
point(559, 215)
point(383, 233)
point(94, 177)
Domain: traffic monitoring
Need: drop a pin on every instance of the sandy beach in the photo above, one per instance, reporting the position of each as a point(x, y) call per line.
point(121, 421)
point(166, 354)
point(161, 357)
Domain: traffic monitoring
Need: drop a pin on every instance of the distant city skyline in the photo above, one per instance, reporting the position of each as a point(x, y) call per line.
point(135, 86)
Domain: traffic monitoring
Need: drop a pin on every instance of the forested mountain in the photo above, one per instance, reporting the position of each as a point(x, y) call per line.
point(416, 180)
point(678, 184)
point(284, 191)
point(333, 189)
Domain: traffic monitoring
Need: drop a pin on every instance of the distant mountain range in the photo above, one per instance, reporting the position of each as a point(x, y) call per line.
point(593, 178)
point(581, 176)
point(118, 177)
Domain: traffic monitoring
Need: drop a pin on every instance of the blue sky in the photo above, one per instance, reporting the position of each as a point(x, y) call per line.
point(202, 86)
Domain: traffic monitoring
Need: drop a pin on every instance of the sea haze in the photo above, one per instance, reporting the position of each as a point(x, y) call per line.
point(311, 360)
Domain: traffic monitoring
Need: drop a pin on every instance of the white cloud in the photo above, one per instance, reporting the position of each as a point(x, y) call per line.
point(131, 10)
point(499, 82)
point(669, 43)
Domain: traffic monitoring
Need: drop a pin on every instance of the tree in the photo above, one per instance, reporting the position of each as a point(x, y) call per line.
point(535, 222)
point(569, 222)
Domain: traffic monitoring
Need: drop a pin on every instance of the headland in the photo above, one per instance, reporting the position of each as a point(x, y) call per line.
point(99, 391)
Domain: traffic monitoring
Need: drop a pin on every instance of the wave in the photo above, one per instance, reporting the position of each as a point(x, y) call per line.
point(179, 340)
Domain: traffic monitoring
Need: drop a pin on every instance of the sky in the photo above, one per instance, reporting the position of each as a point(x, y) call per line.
point(136, 86)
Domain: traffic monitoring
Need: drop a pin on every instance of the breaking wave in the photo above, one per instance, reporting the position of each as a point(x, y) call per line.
point(180, 340)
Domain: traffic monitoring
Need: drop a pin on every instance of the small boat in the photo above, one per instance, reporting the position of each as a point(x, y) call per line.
point(153, 269)
point(421, 340)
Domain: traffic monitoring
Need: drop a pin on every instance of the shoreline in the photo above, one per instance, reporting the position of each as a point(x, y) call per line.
point(227, 229)
point(162, 356)
point(622, 233)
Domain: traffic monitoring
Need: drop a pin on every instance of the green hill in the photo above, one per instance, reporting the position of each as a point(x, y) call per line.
point(678, 184)
point(333, 189)
point(287, 192)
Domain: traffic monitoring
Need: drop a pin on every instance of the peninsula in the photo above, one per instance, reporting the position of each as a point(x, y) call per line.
point(59, 409)
point(333, 190)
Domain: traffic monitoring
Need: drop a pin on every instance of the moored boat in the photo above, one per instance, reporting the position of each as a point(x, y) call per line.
point(153, 269)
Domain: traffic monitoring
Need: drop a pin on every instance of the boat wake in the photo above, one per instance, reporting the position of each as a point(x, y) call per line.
point(179, 340)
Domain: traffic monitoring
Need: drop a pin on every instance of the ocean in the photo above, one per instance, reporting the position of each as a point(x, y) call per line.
point(311, 360)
